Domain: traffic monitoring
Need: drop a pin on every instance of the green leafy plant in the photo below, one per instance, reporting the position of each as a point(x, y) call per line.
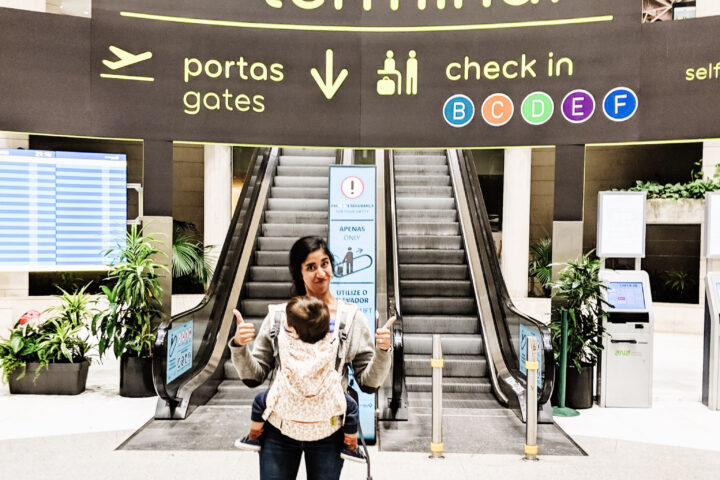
point(581, 293)
point(189, 258)
point(677, 281)
point(540, 265)
point(696, 188)
point(128, 322)
point(60, 338)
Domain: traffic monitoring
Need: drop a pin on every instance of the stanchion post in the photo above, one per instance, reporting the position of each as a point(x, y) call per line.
point(561, 410)
point(437, 363)
point(531, 364)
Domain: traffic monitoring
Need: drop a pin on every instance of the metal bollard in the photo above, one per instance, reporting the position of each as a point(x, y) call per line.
point(531, 364)
point(437, 363)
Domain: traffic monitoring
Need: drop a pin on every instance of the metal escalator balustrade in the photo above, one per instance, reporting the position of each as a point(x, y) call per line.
point(502, 335)
point(211, 319)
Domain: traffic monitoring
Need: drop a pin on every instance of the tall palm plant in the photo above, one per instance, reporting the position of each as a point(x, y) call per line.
point(540, 263)
point(189, 256)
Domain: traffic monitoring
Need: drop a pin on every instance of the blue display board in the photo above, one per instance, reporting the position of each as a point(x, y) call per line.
point(352, 243)
point(626, 295)
point(179, 350)
point(60, 210)
point(526, 332)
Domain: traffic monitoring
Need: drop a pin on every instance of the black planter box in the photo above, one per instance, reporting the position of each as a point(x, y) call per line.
point(55, 379)
point(136, 377)
point(578, 387)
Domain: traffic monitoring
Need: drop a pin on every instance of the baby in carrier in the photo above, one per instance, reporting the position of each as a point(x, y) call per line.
point(308, 388)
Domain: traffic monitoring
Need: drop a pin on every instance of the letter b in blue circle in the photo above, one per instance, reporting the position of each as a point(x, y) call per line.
point(620, 104)
point(458, 111)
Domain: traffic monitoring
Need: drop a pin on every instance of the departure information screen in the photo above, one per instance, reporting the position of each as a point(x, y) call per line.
point(626, 295)
point(60, 210)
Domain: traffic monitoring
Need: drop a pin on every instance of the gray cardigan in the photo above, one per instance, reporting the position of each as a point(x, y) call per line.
point(370, 364)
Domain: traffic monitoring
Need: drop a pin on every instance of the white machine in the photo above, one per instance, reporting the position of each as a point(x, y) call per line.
point(627, 357)
point(711, 343)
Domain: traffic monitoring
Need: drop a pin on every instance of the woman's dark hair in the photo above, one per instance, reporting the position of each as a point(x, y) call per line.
point(299, 253)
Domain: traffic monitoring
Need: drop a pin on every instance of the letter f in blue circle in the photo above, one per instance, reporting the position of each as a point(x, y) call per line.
point(458, 111)
point(620, 104)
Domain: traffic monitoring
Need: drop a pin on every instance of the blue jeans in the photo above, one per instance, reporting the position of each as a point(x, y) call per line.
point(280, 456)
point(350, 425)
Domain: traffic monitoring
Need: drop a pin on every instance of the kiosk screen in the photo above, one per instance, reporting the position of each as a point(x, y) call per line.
point(626, 295)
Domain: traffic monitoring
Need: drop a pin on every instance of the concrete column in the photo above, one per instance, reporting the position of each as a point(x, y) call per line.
point(516, 220)
point(14, 284)
point(707, 8)
point(217, 198)
point(161, 229)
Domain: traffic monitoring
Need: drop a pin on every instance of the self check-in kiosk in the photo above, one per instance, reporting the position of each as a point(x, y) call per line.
point(711, 343)
point(627, 356)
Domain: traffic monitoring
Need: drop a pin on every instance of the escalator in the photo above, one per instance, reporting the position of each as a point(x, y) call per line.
point(449, 283)
point(443, 277)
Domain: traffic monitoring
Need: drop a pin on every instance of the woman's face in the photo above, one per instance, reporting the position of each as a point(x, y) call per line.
point(317, 273)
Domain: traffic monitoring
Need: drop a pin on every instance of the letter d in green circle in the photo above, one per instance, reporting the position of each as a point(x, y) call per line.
point(537, 108)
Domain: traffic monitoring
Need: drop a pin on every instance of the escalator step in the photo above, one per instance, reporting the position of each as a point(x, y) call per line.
point(427, 215)
point(438, 272)
point(438, 305)
point(440, 324)
point(422, 191)
point(277, 244)
point(421, 169)
point(436, 288)
point(272, 259)
point(281, 290)
point(292, 205)
point(407, 159)
point(301, 181)
point(428, 228)
point(452, 344)
point(270, 274)
point(296, 171)
point(423, 180)
point(418, 203)
point(306, 160)
point(455, 366)
point(258, 307)
point(293, 230)
point(431, 256)
point(425, 242)
point(278, 216)
point(450, 384)
point(299, 192)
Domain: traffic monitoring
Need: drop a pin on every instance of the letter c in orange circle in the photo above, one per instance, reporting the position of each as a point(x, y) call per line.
point(497, 109)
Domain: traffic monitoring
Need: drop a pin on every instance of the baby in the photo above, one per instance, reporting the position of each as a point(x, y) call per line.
point(309, 373)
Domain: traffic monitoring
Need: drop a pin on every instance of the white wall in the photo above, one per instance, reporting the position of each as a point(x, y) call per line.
point(706, 8)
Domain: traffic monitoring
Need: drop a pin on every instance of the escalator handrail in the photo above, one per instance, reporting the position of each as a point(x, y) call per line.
point(500, 298)
point(398, 376)
point(258, 169)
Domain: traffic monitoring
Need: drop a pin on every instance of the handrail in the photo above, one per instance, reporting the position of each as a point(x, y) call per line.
point(399, 391)
point(214, 312)
point(503, 310)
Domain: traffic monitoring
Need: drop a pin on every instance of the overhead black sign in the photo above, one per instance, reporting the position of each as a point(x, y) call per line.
point(365, 73)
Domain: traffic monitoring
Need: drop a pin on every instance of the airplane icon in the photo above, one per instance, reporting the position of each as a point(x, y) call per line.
point(126, 58)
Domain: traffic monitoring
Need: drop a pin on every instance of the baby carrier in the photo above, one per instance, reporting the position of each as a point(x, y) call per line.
point(340, 364)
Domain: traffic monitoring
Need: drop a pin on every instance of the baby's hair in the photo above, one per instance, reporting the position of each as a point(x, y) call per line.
point(309, 317)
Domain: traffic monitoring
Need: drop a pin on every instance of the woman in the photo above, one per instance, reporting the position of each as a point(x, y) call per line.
point(311, 267)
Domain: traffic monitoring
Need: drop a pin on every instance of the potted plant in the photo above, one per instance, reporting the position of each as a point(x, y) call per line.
point(540, 268)
point(191, 268)
point(134, 309)
point(580, 292)
point(54, 349)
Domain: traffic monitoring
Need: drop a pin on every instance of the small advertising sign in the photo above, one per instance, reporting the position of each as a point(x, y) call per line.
point(526, 332)
point(179, 350)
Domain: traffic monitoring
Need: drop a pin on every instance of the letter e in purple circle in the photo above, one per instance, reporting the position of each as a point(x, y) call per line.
point(578, 106)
